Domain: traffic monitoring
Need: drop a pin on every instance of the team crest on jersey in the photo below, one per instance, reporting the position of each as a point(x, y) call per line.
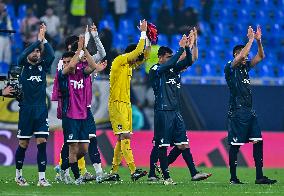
point(19, 132)
point(235, 139)
point(70, 136)
point(119, 127)
point(30, 67)
point(37, 78)
point(40, 68)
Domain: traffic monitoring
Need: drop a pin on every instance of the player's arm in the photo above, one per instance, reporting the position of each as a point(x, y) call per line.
point(245, 51)
point(172, 62)
point(48, 55)
point(194, 46)
point(22, 59)
point(101, 53)
point(75, 59)
point(92, 65)
point(132, 56)
point(183, 64)
point(260, 52)
point(146, 56)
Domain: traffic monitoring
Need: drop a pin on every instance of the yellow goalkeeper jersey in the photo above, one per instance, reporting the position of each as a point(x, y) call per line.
point(121, 73)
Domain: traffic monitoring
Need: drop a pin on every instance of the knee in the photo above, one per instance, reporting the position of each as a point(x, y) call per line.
point(40, 140)
point(24, 143)
point(125, 136)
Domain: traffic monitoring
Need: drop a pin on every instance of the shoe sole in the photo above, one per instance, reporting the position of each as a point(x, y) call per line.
point(202, 178)
point(144, 173)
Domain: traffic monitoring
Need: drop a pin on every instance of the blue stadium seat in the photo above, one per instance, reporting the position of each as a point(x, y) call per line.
point(120, 41)
point(11, 11)
point(209, 70)
point(107, 23)
point(4, 67)
point(22, 11)
point(126, 26)
point(175, 41)
point(163, 40)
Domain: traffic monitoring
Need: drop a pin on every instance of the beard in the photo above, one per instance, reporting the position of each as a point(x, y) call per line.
point(33, 59)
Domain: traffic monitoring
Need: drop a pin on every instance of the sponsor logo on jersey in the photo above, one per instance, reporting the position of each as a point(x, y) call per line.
point(77, 84)
point(36, 78)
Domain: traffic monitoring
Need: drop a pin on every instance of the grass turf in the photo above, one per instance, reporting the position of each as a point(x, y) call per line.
point(215, 185)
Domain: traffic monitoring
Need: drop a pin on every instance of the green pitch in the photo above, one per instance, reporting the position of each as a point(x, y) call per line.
point(215, 185)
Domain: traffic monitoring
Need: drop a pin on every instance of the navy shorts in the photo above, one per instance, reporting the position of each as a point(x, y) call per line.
point(169, 128)
point(33, 120)
point(75, 130)
point(91, 124)
point(243, 127)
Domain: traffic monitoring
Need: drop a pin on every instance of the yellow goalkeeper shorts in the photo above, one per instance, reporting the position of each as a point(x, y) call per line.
point(120, 115)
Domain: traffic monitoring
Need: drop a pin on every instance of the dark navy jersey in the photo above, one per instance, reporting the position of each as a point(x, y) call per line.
point(33, 77)
point(166, 81)
point(63, 85)
point(239, 84)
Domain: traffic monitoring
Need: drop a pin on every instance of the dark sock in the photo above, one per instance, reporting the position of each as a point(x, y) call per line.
point(65, 157)
point(94, 151)
point(41, 157)
point(153, 159)
point(20, 157)
point(233, 155)
point(258, 158)
point(175, 152)
point(164, 162)
point(75, 170)
point(187, 156)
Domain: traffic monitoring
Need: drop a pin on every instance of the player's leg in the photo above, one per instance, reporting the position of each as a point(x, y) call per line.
point(19, 160)
point(256, 138)
point(115, 118)
point(73, 161)
point(181, 142)
point(127, 151)
point(174, 154)
point(237, 136)
point(154, 157)
point(41, 133)
point(25, 132)
point(41, 159)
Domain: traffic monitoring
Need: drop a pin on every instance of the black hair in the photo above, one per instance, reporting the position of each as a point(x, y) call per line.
point(40, 46)
point(68, 54)
point(163, 50)
point(236, 48)
point(130, 48)
point(71, 40)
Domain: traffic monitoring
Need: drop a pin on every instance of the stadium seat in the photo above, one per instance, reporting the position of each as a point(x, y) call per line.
point(4, 67)
point(126, 26)
point(163, 40)
point(22, 11)
point(11, 11)
point(209, 70)
point(107, 23)
point(120, 41)
point(175, 41)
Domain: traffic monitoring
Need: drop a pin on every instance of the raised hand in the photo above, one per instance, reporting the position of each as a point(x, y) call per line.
point(182, 42)
point(93, 28)
point(195, 34)
point(258, 34)
point(250, 34)
point(190, 39)
point(81, 42)
point(41, 34)
point(87, 29)
point(143, 25)
point(101, 66)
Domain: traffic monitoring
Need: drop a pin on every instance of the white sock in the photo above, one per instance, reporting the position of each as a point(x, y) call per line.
point(67, 173)
point(18, 173)
point(41, 175)
point(98, 168)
